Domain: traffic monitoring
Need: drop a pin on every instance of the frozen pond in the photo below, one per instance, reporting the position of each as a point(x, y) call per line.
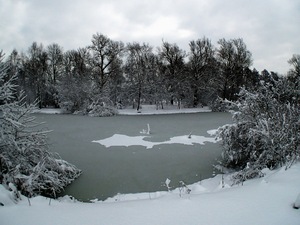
point(110, 168)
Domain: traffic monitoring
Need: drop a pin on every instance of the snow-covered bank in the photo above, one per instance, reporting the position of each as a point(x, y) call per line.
point(146, 110)
point(48, 111)
point(151, 110)
point(268, 201)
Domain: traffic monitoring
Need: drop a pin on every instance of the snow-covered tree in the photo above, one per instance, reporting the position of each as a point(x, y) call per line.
point(104, 52)
point(202, 67)
point(35, 68)
point(234, 59)
point(265, 132)
point(295, 63)
point(139, 68)
point(174, 72)
point(75, 86)
point(25, 160)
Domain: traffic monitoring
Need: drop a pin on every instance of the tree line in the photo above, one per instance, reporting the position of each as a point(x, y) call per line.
point(111, 74)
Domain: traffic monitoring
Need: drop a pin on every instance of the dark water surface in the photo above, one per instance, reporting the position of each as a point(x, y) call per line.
point(113, 170)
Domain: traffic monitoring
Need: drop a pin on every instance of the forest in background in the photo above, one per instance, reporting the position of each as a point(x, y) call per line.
point(106, 75)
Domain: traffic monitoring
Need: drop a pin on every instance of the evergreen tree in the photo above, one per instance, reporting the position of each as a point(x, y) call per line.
point(25, 160)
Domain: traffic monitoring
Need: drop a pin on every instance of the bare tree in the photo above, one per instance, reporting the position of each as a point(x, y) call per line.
point(233, 58)
point(174, 70)
point(295, 63)
point(139, 65)
point(35, 69)
point(104, 53)
point(55, 62)
point(202, 68)
point(75, 86)
point(294, 77)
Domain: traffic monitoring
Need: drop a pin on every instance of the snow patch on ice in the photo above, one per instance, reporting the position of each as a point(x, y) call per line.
point(212, 132)
point(124, 140)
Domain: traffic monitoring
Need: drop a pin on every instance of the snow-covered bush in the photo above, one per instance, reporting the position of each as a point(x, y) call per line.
point(101, 111)
point(25, 161)
point(73, 94)
point(102, 107)
point(222, 105)
point(265, 133)
point(78, 97)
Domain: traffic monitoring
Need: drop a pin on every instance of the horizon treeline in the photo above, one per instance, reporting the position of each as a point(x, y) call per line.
point(110, 73)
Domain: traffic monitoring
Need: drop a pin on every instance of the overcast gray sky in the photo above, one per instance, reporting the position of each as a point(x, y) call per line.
point(270, 28)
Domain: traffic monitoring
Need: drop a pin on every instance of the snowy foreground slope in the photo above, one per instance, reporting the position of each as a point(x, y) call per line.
point(266, 201)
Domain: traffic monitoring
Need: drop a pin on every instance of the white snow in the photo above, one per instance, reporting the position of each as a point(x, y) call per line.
point(48, 111)
point(167, 182)
point(151, 110)
point(146, 110)
point(212, 132)
point(124, 140)
point(268, 201)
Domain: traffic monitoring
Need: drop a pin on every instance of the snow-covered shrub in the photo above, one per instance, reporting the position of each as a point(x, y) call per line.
point(102, 107)
point(246, 174)
point(266, 130)
point(101, 111)
point(67, 106)
point(222, 105)
point(73, 94)
point(25, 161)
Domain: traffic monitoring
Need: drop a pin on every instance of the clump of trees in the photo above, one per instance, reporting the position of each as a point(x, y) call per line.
point(265, 133)
point(25, 162)
point(108, 74)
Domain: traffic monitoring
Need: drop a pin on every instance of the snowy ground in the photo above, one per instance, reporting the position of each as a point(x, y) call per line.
point(48, 111)
point(267, 201)
point(151, 110)
point(146, 110)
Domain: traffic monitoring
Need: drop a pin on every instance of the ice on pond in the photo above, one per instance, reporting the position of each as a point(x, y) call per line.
point(124, 140)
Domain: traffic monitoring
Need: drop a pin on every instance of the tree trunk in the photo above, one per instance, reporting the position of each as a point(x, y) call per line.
point(224, 91)
point(195, 99)
point(139, 98)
